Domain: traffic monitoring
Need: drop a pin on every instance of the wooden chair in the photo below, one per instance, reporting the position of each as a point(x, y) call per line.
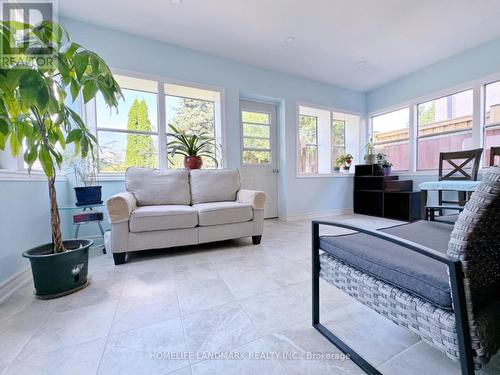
point(494, 151)
point(459, 161)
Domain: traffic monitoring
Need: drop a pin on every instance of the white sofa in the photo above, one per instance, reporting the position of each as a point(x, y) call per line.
point(167, 208)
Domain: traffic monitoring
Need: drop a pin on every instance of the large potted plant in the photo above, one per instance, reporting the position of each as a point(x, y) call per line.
point(34, 111)
point(192, 146)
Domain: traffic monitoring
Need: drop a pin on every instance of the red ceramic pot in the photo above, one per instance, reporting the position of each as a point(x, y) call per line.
point(193, 162)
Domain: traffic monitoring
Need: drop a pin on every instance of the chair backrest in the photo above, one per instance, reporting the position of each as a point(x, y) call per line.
point(475, 240)
point(494, 151)
point(461, 162)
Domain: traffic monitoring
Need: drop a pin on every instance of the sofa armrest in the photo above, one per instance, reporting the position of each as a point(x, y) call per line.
point(256, 198)
point(120, 206)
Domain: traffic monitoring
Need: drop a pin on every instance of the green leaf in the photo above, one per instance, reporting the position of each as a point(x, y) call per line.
point(74, 88)
point(89, 91)
point(33, 89)
point(74, 135)
point(81, 61)
point(46, 161)
point(4, 126)
point(15, 145)
point(30, 155)
point(3, 141)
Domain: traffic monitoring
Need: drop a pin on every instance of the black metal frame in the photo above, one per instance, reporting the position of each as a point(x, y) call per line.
point(457, 292)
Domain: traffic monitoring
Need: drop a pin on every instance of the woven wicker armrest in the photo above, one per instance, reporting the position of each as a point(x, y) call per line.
point(426, 251)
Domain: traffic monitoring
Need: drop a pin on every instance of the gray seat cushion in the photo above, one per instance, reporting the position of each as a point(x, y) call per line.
point(150, 218)
point(217, 213)
point(397, 265)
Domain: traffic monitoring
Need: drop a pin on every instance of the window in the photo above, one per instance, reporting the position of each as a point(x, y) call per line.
point(323, 136)
point(390, 135)
point(444, 124)
point(338, 139)
point(256, 137)
point(136, 135)
point(129, 137)
point(492, 119)
point(308, 143)
point(192, 110)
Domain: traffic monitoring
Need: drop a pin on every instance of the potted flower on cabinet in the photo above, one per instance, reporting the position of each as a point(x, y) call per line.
point(385, 164)
point(34, 113)
point(347, 161)
point(192, 146)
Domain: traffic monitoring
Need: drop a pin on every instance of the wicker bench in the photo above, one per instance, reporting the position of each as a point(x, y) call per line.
point(441, 281)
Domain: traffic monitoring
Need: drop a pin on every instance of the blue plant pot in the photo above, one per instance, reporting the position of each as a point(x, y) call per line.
point(87, 195)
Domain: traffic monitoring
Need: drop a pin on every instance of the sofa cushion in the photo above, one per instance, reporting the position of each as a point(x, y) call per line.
point(214, 185)
point(216, 213)
point(397, 265)
point(157, 187)
point(150, 218)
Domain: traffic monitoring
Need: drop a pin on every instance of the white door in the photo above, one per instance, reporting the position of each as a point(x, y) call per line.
point(259, 164)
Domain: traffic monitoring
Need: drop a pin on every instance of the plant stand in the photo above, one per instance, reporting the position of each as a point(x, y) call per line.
point(90, 214)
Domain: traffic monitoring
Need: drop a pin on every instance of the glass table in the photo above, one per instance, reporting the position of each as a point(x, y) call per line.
point(463, 187)
point(91, 208)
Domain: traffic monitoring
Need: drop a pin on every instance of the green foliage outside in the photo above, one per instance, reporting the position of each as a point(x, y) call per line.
point(427, 113)
point(140, 149)
point(255, 125)
point(193, 116)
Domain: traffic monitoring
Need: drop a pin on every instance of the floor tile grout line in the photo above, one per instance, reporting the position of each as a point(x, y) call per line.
point(107, 338)
point(400, 353)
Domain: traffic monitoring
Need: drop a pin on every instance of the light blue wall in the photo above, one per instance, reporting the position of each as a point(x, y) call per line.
point(129, 52)
point(469, 65)
point(24, 221)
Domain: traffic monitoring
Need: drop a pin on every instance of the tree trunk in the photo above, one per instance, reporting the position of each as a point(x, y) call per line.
point(55, 220)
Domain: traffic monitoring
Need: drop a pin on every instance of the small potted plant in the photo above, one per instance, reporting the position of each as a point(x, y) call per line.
point(370, 157)
point(192, 146)
point(385, 164)
point(87, 189)
point(339, 162)
point(347, 161)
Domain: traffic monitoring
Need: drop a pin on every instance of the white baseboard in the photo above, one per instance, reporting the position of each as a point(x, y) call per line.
point(13, 283)
point(320, 214)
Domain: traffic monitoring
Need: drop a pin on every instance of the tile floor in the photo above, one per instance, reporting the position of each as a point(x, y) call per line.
point(251, 303)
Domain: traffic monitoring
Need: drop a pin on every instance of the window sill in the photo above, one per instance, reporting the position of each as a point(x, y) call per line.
point(326, 175)
point(14, 175)
point(111, 177)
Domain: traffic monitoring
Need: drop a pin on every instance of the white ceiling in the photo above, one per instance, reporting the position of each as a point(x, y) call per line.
point(394, 37)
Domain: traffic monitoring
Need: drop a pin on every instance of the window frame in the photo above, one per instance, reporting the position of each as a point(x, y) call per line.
point(410, 131)
point(485, 126)
point(362, 124)
point(219, 112)
point(270, 138)
point(334, 146)
point(478, 87)
point(307, 145)
point(417, 125)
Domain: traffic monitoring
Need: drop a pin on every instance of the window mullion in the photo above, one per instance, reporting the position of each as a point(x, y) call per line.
point(477, 115)
point(162, 126)
point(413, 138)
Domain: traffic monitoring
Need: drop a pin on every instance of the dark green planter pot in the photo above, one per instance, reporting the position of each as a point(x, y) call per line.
point(58, 274)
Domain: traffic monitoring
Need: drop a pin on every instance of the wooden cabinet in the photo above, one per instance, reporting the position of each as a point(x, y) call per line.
point(384, 196)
